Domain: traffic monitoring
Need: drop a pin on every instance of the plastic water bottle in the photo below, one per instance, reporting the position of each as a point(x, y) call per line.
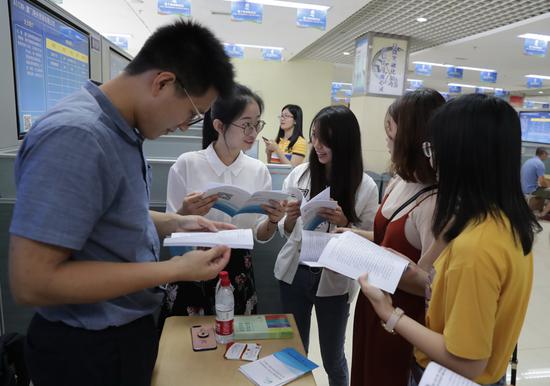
point(225, 308)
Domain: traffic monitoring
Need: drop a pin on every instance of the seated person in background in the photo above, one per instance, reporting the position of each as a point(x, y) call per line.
point(229, 128)
point(534, 183)
point(290, 147)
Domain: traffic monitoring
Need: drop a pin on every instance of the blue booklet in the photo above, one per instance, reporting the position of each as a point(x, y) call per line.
point(278, 368)
point(234, 200)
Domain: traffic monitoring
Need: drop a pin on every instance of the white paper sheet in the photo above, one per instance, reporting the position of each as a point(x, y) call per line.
point(437, 375)
point(235, 238)
point(352, 255)
point(313, 244)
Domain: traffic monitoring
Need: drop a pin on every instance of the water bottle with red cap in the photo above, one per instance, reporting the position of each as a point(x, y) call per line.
point(225, 308)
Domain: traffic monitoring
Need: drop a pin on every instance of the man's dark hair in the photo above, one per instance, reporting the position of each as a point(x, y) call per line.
point(192, 53)
point(541, 151)
point(411, 115)
point(476, 142)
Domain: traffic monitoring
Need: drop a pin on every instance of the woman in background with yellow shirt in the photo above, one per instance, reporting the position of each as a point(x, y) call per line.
point(290, 147)
point(483, 277)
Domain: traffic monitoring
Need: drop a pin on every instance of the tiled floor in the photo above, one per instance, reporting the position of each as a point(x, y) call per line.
point(534, 343)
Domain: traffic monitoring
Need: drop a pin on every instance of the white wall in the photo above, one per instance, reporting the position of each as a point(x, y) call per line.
point(305, 83)
point(370, 112)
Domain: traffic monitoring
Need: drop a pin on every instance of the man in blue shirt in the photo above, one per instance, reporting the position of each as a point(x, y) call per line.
point(534, 183)
point(84, 247)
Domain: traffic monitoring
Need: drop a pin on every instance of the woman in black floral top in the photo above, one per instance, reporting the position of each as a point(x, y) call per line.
point(230, 127)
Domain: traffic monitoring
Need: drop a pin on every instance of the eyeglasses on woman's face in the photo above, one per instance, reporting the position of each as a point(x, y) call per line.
point(427, 149)
point(249, 127)
point(285, 116)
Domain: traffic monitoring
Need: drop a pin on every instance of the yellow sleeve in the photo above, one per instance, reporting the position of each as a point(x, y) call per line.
point(300, 147)
point(471, 302)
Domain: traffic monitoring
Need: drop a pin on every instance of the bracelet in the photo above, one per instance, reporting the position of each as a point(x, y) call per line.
point(389, 326)
point(276, 222)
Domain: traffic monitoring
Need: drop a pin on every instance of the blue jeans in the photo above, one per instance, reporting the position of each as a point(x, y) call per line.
point(332, 314)
point(417, 370)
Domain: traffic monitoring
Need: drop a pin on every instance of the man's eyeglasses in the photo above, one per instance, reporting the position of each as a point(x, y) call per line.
point(427, 149)
point(198, 116)
point(248, 127)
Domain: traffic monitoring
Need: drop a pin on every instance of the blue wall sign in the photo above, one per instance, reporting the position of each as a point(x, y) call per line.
point(488, 76)
point(119, 40)
point(455, 89)
point(500, 93)
point(272, 54)
point(246, 11)
point(423, 69)
point(455, 72)
point(415, 84)
point(234, 51)
point(174, 7)
point(311, 18)
point(534, 82)
point(534, 47)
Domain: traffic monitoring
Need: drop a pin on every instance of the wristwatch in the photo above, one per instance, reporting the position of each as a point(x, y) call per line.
point(389, 326)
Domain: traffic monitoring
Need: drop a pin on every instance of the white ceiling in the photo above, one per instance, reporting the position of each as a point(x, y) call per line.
point(448, 20)
point(139, 18)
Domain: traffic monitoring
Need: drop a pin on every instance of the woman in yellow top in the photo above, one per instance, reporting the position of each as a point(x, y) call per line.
point(290, 147)
point(483, 277)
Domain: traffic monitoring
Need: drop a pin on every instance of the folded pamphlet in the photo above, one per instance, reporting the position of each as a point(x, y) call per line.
point(278, 369)
point(233, 200)
point(234, 238)
point(310, 209)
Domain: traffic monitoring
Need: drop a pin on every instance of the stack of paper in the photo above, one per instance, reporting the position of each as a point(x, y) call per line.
point(235, 238)
point(278, 369)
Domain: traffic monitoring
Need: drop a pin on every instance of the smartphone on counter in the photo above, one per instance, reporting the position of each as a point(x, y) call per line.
point(203, 338)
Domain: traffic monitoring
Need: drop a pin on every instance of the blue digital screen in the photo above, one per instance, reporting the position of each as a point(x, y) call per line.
point(535, 126)
point(51, 60)
point(117, 63)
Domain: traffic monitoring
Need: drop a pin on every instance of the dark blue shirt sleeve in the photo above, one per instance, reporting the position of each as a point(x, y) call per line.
point(63, 187)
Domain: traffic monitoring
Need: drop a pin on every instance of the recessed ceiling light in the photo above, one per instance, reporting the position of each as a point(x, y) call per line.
point(290, 4)
point(346, 53)
point(253, 46)
point(451, 65)
point(421, 19)
point(537, 76)
point(470, 86)
point(535, 36)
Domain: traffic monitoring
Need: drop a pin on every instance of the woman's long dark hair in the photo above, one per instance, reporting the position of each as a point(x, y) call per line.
point(227, 110)
point(337, 128)
point(296, 112)
point(411, 115)
point(476, 141)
